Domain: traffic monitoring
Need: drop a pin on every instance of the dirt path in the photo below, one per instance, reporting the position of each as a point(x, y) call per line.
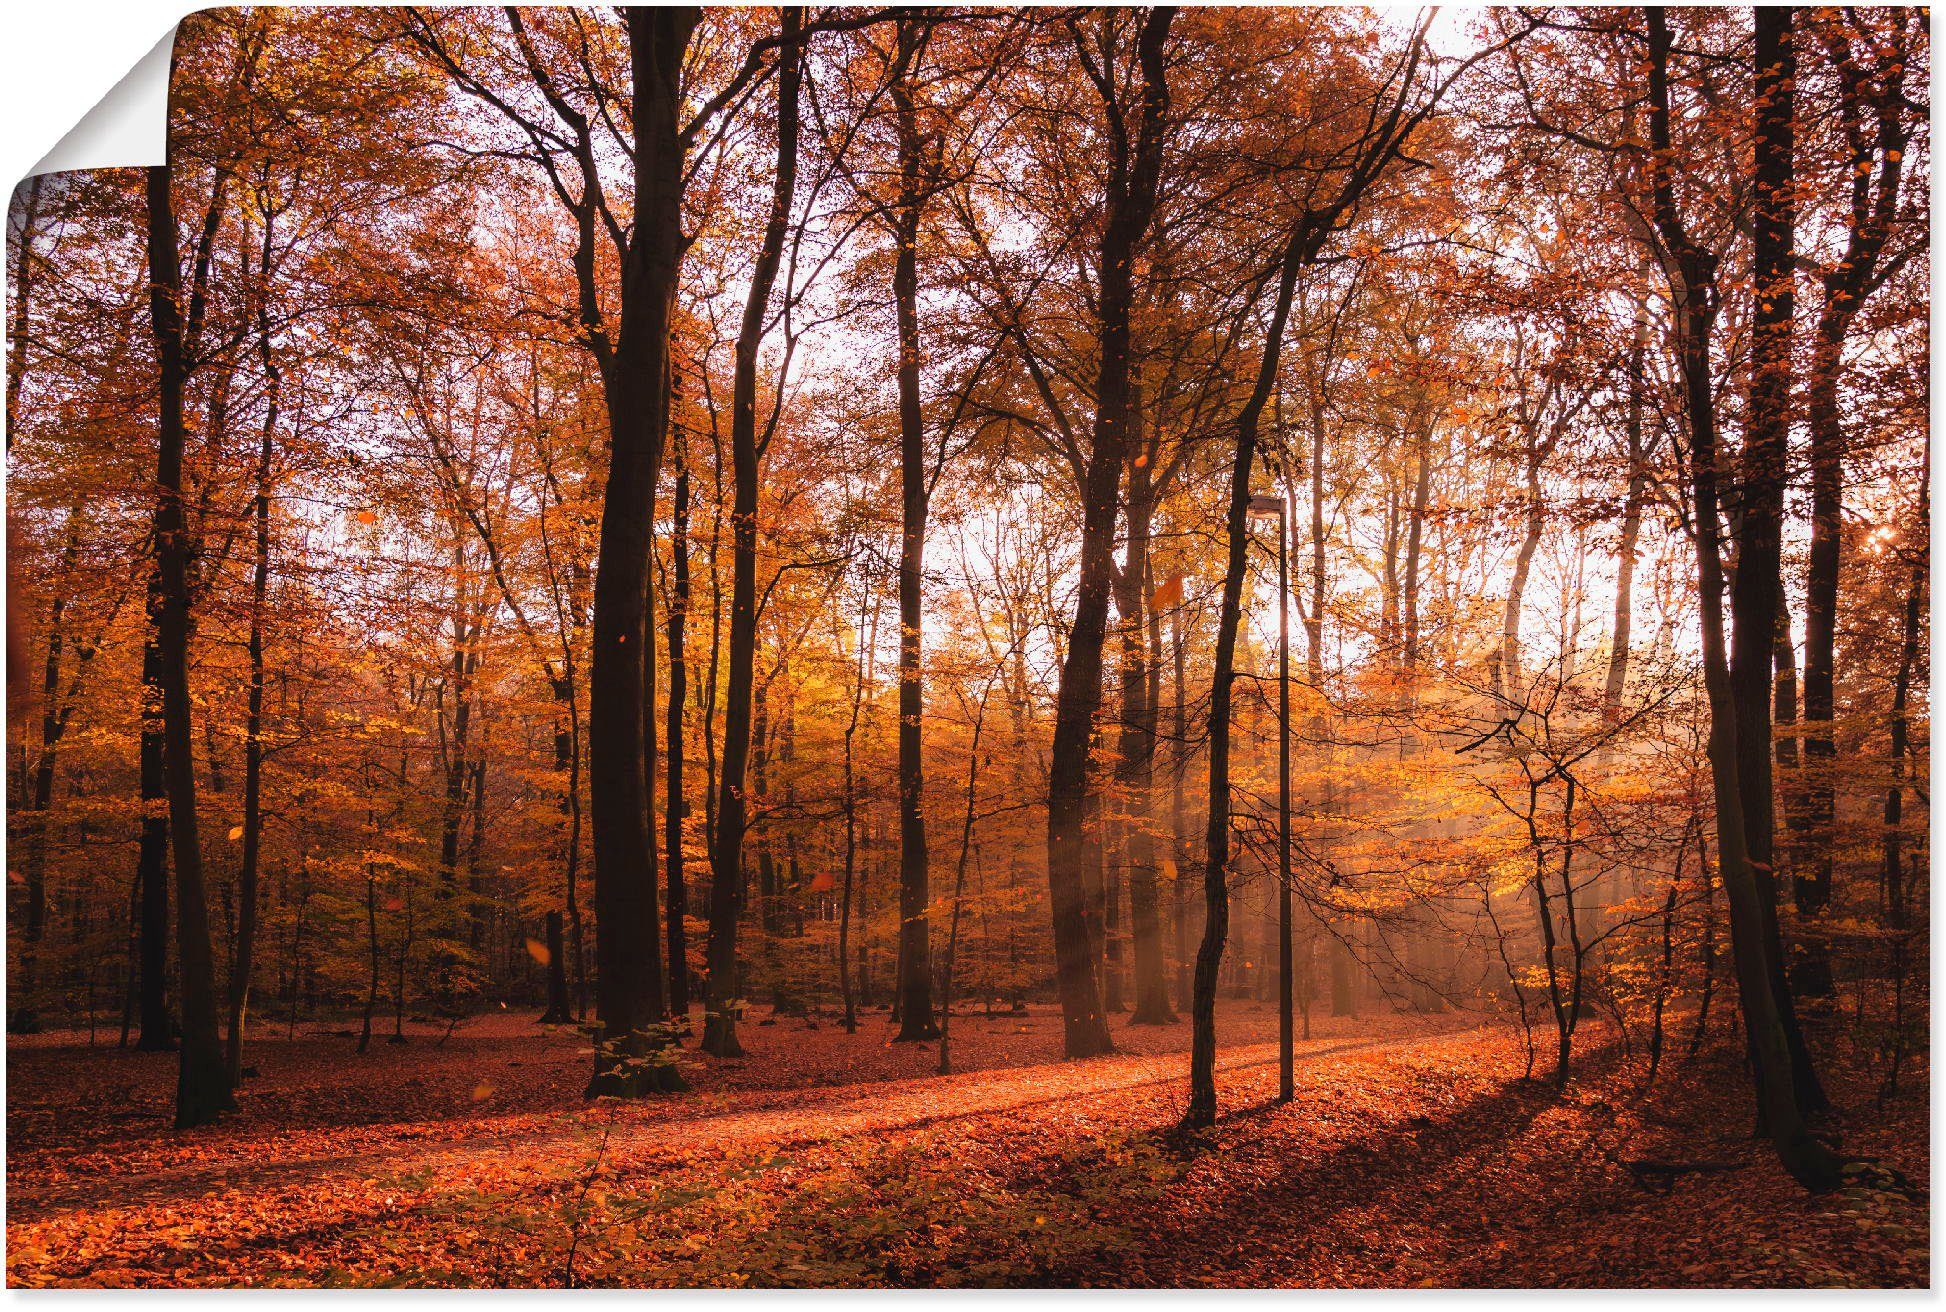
point(648, 1133)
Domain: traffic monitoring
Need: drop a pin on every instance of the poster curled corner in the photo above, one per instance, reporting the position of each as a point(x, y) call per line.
point(127, 128)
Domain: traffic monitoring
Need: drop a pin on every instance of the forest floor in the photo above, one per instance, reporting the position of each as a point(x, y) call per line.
point(1413, 1154)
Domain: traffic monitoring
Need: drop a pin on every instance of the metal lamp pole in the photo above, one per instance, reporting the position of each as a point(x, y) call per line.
point(1286, 1030)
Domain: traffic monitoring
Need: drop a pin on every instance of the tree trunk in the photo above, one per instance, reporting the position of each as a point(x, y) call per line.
point(916, 1019)
point(253, 744)
point(1692, 275)
point(23, 1017)
point(1506, 675)
point(1892, 865)
point(1874, 203)
point(1135, 750)
point(1414, 542)
point(629, 999)
point(674, 807)
point(1216, 893)
point(1072, 804)
point(202, 1085)
point(1754, 589)
point(1632, 506)
point(726, 855)
point(152, 852)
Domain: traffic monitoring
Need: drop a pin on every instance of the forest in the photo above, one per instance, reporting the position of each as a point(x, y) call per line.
point(920, 646)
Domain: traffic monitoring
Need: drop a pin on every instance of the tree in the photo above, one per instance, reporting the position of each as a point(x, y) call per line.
point(1692, 272)
point(722, 992)
point(202, 1085)
point(1073, 808)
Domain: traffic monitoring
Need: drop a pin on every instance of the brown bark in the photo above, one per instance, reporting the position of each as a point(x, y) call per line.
point(253, 744)
point(1216, 891)
point(1073, 812)
point(916, 1021)
point(1135, 748)
point(629, 997)
point(202, 1084)
point(1871, 109)
point(1692, 272)
point(675, 807)
point(726, 855)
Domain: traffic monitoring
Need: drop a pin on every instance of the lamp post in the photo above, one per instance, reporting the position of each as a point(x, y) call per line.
point(1266, 504)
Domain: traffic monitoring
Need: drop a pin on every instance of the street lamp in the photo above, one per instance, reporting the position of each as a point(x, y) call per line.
point(1266, 504)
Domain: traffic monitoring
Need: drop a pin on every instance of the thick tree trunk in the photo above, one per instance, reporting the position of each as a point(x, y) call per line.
point(726, 855)
point(630, 1057)
point(1754, 589)
point(202, 1085)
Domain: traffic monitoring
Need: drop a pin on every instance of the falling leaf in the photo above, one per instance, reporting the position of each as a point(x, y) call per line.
point(538, 951)
point(236, 832)
point(366, 517)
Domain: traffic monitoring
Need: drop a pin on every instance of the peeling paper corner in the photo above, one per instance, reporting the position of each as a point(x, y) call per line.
point(127, 128)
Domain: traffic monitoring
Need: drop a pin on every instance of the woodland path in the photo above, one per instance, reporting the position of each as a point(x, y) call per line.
point(661, 1131)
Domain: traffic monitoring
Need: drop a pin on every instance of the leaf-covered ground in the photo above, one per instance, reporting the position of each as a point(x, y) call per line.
point(1413, 1154)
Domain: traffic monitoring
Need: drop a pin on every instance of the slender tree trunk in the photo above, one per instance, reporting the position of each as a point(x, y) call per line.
point(1072, 803)
point(1414, 541)
point(865, 646)
point(152, 852)
point(1507, 675)
point(253, 744)
point(674, 806)
point(1632, 506)
point(1692, 272)
point(916, 1021)
point(1892, 865)
point(1216, 892)
point(1135, 765)
point(1878, 144)
point(1178, 809)
point(23, 1016)
point(1784, 702)
point(371, 930)
point(726, 856)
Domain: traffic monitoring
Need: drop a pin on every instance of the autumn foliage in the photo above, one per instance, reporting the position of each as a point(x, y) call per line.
point(752, 537)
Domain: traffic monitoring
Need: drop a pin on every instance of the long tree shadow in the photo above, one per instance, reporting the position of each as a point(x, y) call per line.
point(1290, 1193)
